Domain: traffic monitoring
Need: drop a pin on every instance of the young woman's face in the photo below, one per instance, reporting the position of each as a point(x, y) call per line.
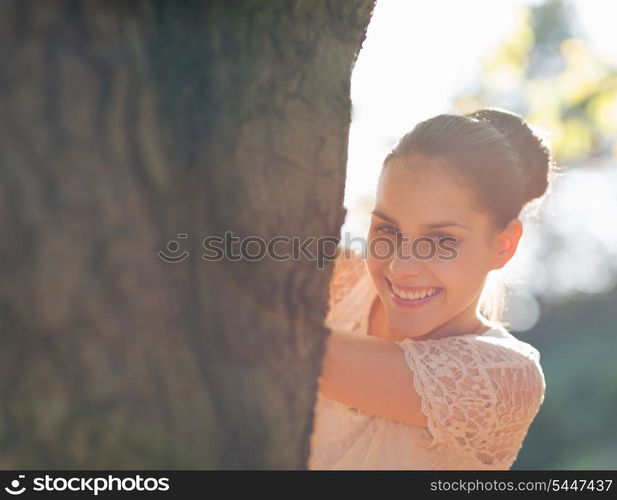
point(411, 205)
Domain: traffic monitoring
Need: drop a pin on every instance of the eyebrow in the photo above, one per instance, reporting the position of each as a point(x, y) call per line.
point(432, 225)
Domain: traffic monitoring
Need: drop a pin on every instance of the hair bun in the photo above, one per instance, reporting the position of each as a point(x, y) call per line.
point(535, 159)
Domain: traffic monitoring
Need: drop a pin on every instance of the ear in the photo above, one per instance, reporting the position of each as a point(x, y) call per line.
point(506, 243)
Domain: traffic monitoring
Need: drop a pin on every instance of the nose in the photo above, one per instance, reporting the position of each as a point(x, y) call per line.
point(403, 263)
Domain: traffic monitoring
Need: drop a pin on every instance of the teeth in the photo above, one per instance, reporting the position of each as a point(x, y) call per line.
point(415, 295)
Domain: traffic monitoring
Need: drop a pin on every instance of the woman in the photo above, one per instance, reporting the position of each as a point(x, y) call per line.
point(419, 372)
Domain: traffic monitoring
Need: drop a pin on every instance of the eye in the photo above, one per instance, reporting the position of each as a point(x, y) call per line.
point(446, 237)
point(387, 229)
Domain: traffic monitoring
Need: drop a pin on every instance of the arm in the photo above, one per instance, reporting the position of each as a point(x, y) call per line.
point(365, 372)
point(476, 396)
point(370, 374)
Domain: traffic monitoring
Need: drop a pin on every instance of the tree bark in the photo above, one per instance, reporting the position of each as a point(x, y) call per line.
point(124, 126)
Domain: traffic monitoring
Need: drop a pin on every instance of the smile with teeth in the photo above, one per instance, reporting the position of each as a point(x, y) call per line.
point(415, 295)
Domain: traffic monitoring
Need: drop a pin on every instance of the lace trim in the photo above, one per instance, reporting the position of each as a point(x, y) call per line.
point(479, 395)
point(349, 268)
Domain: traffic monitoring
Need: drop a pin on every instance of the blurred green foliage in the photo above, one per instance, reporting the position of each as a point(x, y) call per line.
point(551, 75)
point(575, 427)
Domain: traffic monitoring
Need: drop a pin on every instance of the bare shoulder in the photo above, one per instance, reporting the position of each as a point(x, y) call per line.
point(349, 255)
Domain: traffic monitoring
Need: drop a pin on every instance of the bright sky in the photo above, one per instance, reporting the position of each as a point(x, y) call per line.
point(597, 19)
point(415, 58)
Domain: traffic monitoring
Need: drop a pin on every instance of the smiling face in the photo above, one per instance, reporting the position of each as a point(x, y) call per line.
point(435, 296)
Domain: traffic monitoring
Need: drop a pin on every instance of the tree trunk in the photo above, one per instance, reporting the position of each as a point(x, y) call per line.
point(130, 128)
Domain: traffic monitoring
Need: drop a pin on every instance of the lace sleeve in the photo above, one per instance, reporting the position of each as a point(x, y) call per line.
point(479, 394)
point(349, 267)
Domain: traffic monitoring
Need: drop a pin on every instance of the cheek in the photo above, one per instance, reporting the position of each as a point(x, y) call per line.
point(375, 267)
point(379, 253)
point(465, 268)
point(381, 249)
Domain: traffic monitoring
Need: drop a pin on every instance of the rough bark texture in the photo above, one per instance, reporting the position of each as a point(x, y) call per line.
point(123, 124)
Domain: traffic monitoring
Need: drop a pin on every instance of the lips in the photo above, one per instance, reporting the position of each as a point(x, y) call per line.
point(412, 296)
point(412, 292)
point(410, 288)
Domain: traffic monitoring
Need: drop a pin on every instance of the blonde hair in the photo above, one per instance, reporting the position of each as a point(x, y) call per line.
point(492, 301)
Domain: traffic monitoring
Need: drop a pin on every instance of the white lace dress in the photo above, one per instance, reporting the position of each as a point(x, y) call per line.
point(480, 394)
